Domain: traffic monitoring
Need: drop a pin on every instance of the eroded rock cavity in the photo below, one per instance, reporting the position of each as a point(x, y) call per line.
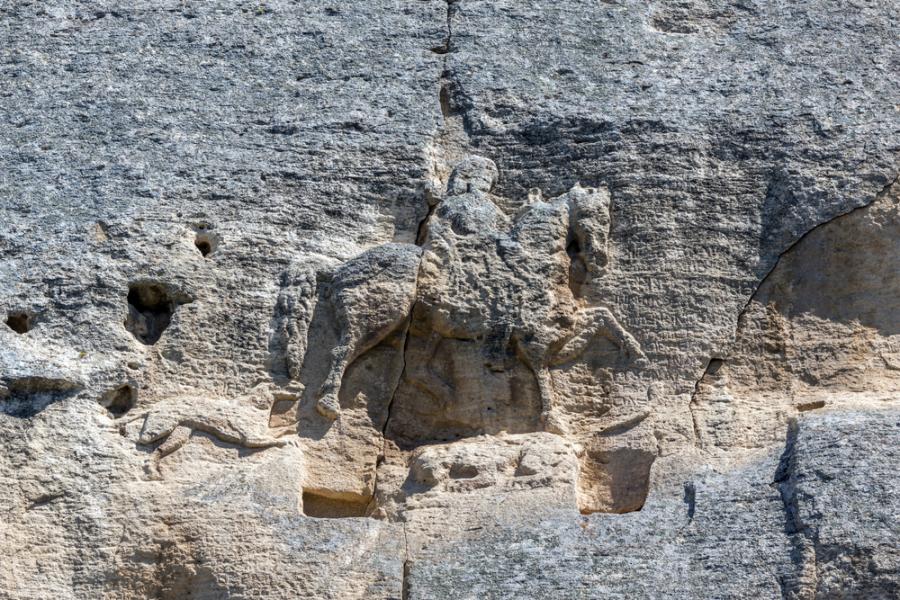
point(150, 309)
point(25, 397)
point(20, 321)
point(120, 400)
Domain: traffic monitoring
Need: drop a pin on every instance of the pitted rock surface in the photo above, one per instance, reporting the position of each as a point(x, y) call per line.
point(449, 299)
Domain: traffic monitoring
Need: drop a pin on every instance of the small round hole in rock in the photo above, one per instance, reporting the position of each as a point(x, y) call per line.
point(19, 321)
point(205, 243)
point(120, 400)
point(203, 246)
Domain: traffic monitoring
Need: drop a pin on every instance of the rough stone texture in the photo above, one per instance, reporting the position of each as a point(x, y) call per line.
point(822, 330)
point(774, 527)
point(449, 299)
point(827, 498)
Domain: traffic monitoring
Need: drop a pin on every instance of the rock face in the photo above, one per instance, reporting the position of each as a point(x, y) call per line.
point(449, 299)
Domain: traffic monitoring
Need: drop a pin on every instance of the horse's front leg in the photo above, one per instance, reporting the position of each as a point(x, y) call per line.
point(328, 404)
point(537, 363)
point(591, 323)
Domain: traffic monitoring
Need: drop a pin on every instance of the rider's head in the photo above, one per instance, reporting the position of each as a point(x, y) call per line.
point(473, 174)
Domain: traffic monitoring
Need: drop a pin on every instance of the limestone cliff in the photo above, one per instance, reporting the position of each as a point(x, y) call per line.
point(449, 299)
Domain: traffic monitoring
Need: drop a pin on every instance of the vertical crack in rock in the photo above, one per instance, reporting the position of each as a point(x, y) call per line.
point(451, 141)
point(447, 146)
point(803, 551)
point(444, 47)
point(407, 566)
point(404, 587)
point(690, 499)
point(403, 352)
point(387, 419)
point(712, 365)
point(422, 229)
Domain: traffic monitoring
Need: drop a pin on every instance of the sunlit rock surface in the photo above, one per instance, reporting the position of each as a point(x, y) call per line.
point(449, 299)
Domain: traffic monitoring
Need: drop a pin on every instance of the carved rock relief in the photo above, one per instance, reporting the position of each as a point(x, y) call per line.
point(455, 337)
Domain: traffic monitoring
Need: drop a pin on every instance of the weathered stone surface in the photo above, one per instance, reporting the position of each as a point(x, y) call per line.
point(770, 528)
point(823, 330)
point(841, 511)
point(449, 299)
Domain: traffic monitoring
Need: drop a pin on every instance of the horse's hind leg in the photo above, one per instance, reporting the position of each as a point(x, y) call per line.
point(373, 295)
point(354, 343)
point(341, 357)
